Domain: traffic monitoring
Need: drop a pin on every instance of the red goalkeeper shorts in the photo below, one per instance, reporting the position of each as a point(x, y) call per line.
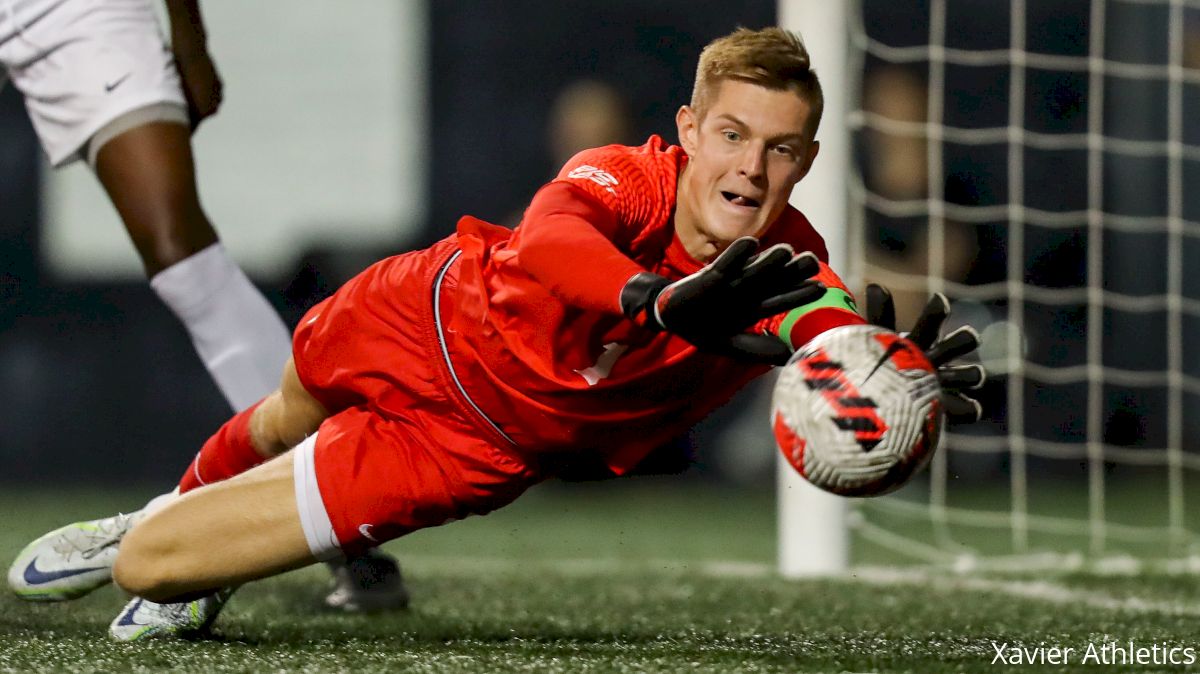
point(402, 449)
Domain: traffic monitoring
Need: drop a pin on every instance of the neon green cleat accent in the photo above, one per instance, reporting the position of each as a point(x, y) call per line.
point(70, 561)
point(143, 619)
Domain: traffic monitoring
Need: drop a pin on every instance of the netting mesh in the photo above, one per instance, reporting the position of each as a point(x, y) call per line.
point(1032, 161)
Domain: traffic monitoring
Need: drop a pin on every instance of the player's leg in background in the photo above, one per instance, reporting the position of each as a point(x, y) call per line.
point(99, 82)
point(148, 173)
point(113, 96)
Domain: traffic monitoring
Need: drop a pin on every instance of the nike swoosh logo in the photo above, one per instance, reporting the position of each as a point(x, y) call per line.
point(127, 616)
point(365, 530)
point(35, 576)
point(895, 347)
point(109, 86)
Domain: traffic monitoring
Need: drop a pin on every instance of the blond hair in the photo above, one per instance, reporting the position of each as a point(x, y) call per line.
point(772, 57)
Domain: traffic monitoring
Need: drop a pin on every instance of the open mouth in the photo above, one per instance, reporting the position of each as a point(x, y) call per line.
point(739, 200)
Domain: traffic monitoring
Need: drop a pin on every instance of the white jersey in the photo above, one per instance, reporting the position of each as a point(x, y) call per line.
point(81, 64)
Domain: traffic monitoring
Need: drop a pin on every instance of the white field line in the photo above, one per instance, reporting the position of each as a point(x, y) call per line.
point(1044, 591)
point(1025, 589)
point(592, 566)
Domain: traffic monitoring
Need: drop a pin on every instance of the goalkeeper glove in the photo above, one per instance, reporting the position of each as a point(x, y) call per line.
point(954, 379)
point(712, 307)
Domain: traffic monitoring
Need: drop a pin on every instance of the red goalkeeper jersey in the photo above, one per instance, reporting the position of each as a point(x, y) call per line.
point(535, 330)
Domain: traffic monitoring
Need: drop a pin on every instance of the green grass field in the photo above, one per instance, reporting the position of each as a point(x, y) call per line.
point(641, 576)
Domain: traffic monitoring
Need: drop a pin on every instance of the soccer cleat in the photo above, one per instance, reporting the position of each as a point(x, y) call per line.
point(70, 561)
point(368, 583)
point(144, 619)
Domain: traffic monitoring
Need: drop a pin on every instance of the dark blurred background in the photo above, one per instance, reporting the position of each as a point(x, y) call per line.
point(100, 383)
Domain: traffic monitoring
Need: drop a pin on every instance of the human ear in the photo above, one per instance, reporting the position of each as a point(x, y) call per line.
point(688, 126)
point(813, 149)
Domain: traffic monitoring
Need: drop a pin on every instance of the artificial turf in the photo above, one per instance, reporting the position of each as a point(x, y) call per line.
point(635, 576)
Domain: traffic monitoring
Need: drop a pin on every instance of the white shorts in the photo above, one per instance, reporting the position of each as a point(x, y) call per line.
point(82, 64)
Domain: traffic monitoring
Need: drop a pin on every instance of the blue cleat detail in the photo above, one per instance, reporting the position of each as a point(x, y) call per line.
point(126, 618)
point(144, 619)
point(35, 576)
point(70, 561)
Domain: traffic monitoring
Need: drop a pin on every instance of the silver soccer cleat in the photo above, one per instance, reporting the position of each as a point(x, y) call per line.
point(70, 561)
point(144, 619)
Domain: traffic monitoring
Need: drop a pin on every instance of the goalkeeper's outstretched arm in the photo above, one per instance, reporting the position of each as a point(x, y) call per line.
point(832, 309)
point(837, 308)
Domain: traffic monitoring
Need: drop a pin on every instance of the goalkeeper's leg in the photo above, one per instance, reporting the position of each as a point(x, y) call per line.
point(379, 478)
point(76, 559)
point(222, 535)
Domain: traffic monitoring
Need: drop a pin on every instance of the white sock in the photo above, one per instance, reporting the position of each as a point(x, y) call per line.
point(237, 333)
point(158, 502)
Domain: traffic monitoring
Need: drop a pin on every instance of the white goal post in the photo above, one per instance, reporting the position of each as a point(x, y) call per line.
point(813, 536)
point(1079, 127)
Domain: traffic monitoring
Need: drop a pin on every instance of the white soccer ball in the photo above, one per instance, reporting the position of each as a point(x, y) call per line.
point(857, 411)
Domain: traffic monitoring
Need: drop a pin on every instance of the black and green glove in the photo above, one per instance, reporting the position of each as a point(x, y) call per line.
point(960, 408)
point(712, 308)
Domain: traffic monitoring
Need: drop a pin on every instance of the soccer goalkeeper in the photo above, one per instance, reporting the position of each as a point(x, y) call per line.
point(643, 287)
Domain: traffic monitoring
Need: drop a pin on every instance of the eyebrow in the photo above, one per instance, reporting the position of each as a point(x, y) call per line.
point(787, 137)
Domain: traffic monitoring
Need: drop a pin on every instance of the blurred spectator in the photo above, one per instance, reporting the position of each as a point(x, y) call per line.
point(586, 113)
point(895, 167)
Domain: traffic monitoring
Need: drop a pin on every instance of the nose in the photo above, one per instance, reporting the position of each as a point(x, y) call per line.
point(752, 163)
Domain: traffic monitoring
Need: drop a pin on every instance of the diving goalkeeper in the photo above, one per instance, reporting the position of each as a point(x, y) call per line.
point(643, 287)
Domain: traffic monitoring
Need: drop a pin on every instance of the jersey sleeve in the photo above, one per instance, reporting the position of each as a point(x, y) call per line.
point(625, 182)
point(578, 229)
point(833, 309)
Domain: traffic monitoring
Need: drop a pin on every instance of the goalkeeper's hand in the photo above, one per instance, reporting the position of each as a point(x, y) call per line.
point(712, 308)
point(925, 334)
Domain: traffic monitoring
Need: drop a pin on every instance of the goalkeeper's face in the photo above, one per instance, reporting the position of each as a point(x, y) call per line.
point(747, 149)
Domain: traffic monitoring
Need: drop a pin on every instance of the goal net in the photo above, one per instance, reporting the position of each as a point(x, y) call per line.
point(1030, 160)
